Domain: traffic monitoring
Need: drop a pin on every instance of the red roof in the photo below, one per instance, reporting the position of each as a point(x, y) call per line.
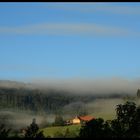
point(86, 118)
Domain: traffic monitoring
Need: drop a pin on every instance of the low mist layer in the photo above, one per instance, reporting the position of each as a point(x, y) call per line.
point(80, 85)
point(94, 86)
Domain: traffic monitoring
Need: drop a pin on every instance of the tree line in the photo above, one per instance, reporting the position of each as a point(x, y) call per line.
point(35, 100)
point(38, 100)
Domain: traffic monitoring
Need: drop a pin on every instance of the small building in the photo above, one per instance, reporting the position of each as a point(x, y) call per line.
point(76, 120)
point(79, 120)
point(84, 119)
point(23, 131)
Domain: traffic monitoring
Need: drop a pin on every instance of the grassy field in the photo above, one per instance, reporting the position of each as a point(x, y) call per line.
point(105, 116)
point(58, 131)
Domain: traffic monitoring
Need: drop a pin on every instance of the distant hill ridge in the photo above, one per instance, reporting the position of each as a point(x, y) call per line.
point(14, 84)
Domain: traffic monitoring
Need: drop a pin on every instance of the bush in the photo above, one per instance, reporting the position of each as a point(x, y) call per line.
point(32, 131)
point(4, 133)
point(59, 121)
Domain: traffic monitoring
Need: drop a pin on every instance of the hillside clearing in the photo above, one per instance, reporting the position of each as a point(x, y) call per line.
point(57, 130)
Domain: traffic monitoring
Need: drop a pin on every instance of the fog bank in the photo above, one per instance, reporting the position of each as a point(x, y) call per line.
point(94, 86)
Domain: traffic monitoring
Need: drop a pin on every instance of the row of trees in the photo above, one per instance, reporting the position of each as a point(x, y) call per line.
point(126, 124)
point(38, 100)
point(49, 101)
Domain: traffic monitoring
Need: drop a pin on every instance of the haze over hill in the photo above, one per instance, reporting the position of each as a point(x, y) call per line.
point(79, 85)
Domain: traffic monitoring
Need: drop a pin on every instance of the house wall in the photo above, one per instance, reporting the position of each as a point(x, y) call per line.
point(76, 121)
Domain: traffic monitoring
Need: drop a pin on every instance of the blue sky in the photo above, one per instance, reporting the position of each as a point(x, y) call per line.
point(64, 40)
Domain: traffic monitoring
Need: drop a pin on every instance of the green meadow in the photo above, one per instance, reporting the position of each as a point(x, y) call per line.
point(58, 131)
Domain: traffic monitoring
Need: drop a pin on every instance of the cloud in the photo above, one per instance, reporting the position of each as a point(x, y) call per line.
point(126, 10)
point(105, 8)
point(99, 7)
point(94, 86)
point(67, 29)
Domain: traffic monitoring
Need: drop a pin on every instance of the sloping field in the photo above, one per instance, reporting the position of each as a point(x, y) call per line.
point(60, 131)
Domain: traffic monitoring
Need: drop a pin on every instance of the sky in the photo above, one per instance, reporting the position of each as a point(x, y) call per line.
point(69, 40)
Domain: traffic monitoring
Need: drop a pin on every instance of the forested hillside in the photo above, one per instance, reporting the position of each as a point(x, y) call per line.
point(42, 100)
